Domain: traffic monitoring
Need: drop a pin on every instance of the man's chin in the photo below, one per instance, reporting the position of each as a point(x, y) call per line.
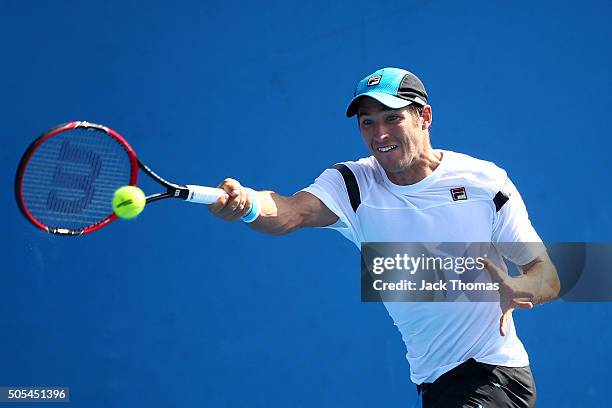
point(390, 166)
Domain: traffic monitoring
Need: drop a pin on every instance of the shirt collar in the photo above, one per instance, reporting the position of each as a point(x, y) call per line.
point(419, 186)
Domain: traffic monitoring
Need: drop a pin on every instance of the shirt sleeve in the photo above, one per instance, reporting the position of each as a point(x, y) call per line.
point(513, 234)
point(330, 188)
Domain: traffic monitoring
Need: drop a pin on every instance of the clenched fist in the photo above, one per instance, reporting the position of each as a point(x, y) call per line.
point(234, 205)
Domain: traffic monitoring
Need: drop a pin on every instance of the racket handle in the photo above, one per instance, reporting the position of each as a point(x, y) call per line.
point(203, 195)
point(208, 195)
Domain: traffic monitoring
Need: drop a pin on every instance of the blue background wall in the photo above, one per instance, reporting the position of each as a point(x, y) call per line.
point(180, 309)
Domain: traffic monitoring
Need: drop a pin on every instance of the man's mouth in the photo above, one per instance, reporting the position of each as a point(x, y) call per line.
point(385, 149)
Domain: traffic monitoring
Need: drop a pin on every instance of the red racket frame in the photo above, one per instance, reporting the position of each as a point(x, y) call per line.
point(23, 164)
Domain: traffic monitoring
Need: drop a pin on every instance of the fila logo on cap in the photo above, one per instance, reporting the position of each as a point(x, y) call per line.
point(458, 193)
point(375, 80)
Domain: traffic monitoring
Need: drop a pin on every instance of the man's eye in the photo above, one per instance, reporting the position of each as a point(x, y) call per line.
point(366, 122)
point(392, 118)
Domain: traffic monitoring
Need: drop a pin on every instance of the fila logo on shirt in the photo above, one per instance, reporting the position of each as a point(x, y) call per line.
point(375, 80)
point(458, 193)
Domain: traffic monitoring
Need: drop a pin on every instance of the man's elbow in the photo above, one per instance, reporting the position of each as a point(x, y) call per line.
point(553, 282)
point(551, 285)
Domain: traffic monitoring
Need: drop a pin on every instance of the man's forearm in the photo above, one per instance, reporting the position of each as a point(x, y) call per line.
point(277, 216)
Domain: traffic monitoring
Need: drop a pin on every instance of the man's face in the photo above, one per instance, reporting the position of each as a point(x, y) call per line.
point(394, 136)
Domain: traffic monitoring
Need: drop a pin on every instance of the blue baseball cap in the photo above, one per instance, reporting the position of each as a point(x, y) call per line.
point(393, 87)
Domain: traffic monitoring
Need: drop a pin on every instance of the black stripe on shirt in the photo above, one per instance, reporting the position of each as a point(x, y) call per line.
point(351, 184)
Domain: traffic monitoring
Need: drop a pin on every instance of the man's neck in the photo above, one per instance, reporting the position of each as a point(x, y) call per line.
point(422, 167)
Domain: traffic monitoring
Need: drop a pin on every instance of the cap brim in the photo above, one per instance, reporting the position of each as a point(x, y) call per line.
point(389, 101)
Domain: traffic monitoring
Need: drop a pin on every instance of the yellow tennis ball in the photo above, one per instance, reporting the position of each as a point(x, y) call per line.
point(128, 202)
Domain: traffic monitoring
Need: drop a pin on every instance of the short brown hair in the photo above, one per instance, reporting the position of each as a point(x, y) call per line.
point(416, 111)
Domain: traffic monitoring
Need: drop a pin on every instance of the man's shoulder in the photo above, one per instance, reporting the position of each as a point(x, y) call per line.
point(365, 169)
point(363, 173)
point(364, 163)
point(474, 171)
point(465, 162)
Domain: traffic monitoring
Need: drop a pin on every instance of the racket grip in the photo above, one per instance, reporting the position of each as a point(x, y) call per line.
point(203, 195)
point(208, 195)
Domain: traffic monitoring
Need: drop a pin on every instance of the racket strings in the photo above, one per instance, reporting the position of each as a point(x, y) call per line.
point(70, 178)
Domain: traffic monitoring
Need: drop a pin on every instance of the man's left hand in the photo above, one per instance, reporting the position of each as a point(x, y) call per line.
point(509, 297)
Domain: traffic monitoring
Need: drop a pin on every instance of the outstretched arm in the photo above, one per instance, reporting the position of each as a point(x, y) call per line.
point(278, 214)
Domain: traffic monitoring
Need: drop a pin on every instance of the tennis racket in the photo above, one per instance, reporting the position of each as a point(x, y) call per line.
point(67, 178)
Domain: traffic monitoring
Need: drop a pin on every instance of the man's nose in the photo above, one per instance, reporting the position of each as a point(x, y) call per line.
point(381, 132)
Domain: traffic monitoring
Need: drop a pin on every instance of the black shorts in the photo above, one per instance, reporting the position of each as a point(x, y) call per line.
point(472, 384)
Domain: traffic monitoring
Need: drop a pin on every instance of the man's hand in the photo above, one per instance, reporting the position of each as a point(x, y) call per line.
point(234, 205)
point(510, 297)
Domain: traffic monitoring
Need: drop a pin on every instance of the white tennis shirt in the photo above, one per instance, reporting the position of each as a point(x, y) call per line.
point(438, 336)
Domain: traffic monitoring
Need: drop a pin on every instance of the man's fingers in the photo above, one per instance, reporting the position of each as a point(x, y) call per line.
point(499, 275)
point(234, 193)
point(503, 321)
point(225, 206)
point(243, 200)
point(229, 185)
point(516, 304)
point(234, 205)
point(522, 304)
point(496, 274)
point(237, 205)
point(218, 205)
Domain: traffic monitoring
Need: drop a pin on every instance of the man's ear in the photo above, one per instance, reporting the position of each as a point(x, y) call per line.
point(427, 116)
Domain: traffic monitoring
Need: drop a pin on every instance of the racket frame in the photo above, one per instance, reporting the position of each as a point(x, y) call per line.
point(172, 190)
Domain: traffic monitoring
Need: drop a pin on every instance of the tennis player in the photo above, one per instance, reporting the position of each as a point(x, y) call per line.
point(464, 354)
